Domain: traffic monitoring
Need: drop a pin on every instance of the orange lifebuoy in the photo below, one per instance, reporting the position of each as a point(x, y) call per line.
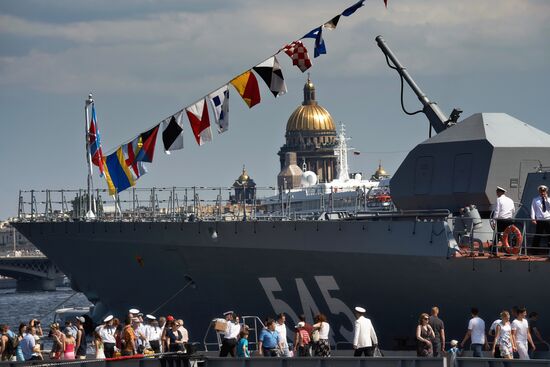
point(519, 240)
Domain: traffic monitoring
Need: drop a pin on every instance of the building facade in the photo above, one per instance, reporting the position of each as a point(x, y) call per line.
point(311, 134)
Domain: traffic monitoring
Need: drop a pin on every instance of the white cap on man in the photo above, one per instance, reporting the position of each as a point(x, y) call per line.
point(150, 317)
point(228, 313)
point(108, 318)
point(543, 188)
point(81, 319)
point(499, 188)
point(133, 311)
point(360, 309)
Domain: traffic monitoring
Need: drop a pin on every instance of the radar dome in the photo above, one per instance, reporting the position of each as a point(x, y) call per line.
point(308, 179)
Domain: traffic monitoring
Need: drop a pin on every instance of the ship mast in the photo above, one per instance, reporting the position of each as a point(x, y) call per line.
point(341, 153)
point(89, 214)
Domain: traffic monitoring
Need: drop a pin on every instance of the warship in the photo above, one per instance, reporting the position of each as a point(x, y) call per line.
point(395, 263)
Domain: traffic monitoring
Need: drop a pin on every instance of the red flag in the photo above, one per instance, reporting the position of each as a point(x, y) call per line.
point(200, 121)
point(247, 86)
point(298, 53)
point(94, 143)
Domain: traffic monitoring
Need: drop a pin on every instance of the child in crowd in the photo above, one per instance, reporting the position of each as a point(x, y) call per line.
point(242, 345)
point(453, 353)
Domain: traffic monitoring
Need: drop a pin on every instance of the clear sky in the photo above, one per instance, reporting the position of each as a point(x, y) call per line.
point(147, 59)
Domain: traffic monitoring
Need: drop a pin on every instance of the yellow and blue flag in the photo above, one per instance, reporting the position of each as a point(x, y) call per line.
point(117, 173)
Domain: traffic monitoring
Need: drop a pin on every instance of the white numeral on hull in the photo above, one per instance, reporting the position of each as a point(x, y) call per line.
point(326, 284)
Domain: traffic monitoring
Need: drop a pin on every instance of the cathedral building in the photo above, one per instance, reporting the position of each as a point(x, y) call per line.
point(311, 135)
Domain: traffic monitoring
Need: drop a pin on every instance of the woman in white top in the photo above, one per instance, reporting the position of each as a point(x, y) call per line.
point(321, 326)
point(504, 337)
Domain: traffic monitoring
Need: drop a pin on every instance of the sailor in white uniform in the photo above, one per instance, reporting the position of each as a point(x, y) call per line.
point(153, 333)
point(232, 331)
point(107, 335)
point(540, 215)
point(364, 337)
point(503, 214)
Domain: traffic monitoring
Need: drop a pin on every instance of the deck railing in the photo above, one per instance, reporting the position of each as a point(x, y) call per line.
point(185, 203)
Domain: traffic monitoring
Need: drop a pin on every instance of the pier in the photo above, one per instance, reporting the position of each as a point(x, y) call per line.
point(294, 362)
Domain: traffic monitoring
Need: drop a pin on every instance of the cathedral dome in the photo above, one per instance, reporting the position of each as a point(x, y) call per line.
point(310, 116)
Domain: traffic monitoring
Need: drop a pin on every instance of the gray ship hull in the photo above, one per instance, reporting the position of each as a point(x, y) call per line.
point(396, 269)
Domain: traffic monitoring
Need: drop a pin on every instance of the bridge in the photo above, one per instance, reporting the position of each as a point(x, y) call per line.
point(32, 273)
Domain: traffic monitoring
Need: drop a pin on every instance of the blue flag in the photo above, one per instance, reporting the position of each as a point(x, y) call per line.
point(317, 34)
point(349, 11)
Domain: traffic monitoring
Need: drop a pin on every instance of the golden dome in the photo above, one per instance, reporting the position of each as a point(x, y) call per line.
point(244, 176)
point(310, 116)
point(380, 172)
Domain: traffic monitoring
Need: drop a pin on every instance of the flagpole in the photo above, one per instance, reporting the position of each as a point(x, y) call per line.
point(89, 214)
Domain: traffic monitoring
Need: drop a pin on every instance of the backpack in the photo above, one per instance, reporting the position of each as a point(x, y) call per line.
point(11, 344)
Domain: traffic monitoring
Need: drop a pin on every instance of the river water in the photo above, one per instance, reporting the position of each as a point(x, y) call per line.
point(22, 307)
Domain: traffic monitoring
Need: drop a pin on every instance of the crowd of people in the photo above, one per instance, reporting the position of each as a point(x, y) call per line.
point(138, 334)
point(513, 335)
point(511, 338)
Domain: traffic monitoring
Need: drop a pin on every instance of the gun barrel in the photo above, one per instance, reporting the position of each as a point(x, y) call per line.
point(437, 118)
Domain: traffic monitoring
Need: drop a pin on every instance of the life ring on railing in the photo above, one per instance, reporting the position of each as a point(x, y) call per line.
point(506, 243)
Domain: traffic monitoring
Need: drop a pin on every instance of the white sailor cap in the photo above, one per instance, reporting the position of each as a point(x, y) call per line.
point(150, 317)
point(81, 319)
point(360, 309)
point(108, 318)
point(228, 313)
point(499, 188)
point(543, 188)
point(133, 311)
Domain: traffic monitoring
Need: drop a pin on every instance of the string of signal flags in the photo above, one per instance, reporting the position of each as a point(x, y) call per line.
point(126, 164)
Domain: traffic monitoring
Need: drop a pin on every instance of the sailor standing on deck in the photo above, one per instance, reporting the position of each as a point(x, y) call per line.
point(364, 336)
point(504, 212)
point(232, 330)
point(153, 333)
point(107, 334)
point(540, 214)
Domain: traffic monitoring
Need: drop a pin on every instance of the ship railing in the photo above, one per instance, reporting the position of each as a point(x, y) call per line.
point(253, 324)
point(182, 204)
point(481, 241)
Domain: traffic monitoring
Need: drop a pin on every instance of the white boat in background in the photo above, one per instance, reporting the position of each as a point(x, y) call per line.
point(349, 192)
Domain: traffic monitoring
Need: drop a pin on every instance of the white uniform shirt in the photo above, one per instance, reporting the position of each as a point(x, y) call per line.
point(477, 327)
point(364, 334)
point(232, 330)
point(505, 208)
point(107, 334)
point(536, 209)
point(153, 332)
point(281, 329)
point(139, 331)
point(521, 328)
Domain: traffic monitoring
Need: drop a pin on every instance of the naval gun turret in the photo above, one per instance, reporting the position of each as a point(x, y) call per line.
point(466, 160)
